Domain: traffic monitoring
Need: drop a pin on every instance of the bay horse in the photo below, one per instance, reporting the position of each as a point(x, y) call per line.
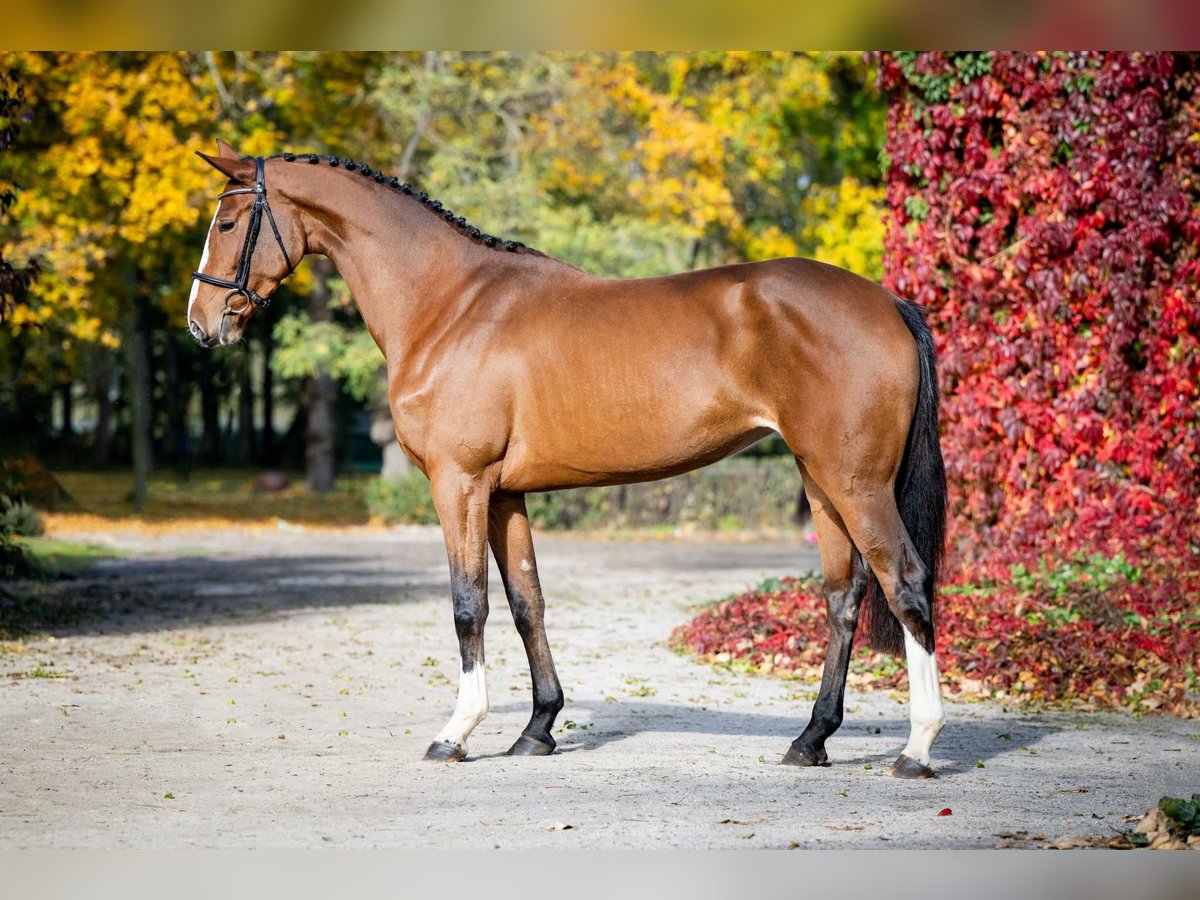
point(510, 372)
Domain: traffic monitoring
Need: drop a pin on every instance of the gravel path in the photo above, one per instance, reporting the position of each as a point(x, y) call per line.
point(272, 688)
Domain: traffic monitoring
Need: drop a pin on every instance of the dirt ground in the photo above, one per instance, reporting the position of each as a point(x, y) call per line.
point(277, 688)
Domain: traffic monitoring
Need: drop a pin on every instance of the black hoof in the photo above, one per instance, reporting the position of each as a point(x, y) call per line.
point(804, 756)
point(440, 751)
point(907, 767)
point(531, 746)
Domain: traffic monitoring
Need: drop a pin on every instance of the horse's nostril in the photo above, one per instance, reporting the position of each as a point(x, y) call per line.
point(196, 330)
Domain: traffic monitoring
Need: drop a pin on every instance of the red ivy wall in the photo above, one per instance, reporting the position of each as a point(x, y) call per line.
point(1045, 208)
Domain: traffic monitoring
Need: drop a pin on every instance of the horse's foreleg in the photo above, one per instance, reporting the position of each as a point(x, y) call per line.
point(844, 588)
point(508, 532)
point(462, 504)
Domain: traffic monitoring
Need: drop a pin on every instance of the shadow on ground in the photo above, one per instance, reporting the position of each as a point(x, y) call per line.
point(964, 743)
point(199, 591)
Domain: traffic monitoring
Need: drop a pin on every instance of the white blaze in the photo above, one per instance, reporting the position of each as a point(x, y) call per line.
point(203, 262)
point(925, 700)
point(470, 710)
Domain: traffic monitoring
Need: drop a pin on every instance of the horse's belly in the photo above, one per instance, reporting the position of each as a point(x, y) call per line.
point(605, 457)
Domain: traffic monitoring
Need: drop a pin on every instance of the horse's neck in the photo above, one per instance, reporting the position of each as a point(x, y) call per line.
point(401, 263)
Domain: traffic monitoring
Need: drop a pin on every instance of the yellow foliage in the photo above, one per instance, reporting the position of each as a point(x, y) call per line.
point(847, 226)
point(106, 205)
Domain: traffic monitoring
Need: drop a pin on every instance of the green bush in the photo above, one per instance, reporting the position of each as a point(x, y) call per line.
point(404, 499)
point(15, 562)
point(18, 517)
point(732, 495)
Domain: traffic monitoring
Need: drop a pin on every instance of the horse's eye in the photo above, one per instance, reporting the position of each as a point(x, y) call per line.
point(227, 227)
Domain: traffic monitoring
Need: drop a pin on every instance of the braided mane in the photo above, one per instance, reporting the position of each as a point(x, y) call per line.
point(404, 187)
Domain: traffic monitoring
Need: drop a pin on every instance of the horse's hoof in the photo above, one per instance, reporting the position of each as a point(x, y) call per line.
point(440, 751)
point(804, 757)
point(530, 746)
point(907, 767)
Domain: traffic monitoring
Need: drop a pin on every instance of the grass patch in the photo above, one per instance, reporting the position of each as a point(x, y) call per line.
point(218, 494)
point(58, 558)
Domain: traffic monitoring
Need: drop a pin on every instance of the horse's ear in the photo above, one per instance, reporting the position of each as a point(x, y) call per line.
point(225, 151)
point(233, 168)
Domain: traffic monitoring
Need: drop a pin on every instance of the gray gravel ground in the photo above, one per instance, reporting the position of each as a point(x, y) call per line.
point(277, 688)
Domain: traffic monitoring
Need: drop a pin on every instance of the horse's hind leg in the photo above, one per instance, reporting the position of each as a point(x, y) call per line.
point(877, 530)
point(512, 544)
point(844, 588)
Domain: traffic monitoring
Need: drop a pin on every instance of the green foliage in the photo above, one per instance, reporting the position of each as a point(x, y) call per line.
point(936, 87)
point(55, 558)
point(1182, 815)
point(916, 207)
point(729, 496)
point(18, 517)
point(1096, 573)
point(349, 354)
point(15, 562)
point(405, 500)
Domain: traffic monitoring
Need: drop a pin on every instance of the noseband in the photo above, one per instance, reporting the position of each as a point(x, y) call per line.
point(239, 286)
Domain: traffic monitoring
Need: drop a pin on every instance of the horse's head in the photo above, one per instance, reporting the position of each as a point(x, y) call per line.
point(249, 249)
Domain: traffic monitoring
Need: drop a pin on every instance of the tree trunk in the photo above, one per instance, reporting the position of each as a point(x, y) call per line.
point(68, 426)
point(137, 380)
point(246, 441)
point(102, 447)
point(383, 434)
point(175, 399)
point(268, 400)
point(321, 395)
point(210, 411)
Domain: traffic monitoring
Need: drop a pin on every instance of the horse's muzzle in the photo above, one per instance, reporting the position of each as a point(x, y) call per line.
point(201, 338)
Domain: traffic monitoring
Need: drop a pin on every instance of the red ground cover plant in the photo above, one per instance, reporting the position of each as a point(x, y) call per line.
point(1045, 209)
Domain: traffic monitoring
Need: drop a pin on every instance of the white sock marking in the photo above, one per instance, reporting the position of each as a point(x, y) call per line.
point(470, 710)
point(925, 700)
point(203, 262)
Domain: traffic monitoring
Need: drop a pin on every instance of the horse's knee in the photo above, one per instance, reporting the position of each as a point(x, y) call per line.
point(470, 607)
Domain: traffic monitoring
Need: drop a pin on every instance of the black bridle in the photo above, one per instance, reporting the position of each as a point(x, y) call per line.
point(239, 286)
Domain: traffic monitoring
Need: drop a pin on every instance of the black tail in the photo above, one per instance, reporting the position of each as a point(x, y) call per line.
point(920, 490)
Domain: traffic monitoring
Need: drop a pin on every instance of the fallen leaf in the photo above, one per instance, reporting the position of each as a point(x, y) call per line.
point(947, 811)
point(1075, 842)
